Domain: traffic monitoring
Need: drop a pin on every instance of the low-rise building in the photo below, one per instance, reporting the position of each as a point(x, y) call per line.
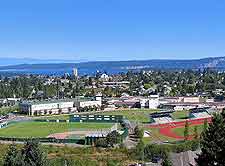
point(151, 102)
point(189, 99)
point(47, 107)
point(58, 106)
point(9, 101)
point(115, 84)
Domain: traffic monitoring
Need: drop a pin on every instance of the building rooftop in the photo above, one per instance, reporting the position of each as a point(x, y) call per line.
point(33, 102)
point(184, 158)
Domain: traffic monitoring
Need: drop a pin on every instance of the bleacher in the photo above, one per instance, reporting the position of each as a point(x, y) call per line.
point(162, 120)
point(161, 117)
point(199, 113)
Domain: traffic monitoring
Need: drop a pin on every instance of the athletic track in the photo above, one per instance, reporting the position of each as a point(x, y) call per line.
point(166, 128)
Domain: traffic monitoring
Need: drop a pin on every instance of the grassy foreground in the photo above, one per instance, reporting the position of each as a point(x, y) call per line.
point(85, 156)
point(43, 129)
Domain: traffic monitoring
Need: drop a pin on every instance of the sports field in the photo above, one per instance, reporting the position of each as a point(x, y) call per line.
point(180, 114)
point(137, 115)
point(44, 129)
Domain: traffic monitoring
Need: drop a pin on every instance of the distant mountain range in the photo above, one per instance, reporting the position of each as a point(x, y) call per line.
point(17, 61)
point(59, 66)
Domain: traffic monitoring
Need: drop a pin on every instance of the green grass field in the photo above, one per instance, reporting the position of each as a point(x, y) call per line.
point(43, 129)
point(60, 117)
point(180, 114)
point(180, 131)
point(137, 115)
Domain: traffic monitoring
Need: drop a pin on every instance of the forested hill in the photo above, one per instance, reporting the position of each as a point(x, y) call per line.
point(120, 66)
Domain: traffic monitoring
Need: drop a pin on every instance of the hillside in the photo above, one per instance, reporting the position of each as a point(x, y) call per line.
point(121, 66)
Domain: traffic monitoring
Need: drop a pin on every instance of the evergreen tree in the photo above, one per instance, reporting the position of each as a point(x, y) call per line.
point(113, 138)
point(166, 161)
point(186, 131)
point(140, 150)
point(205, 125)
point(196, 133)
point(32, 154)
point(213, 143)
point(12, 156)
point(138, 132)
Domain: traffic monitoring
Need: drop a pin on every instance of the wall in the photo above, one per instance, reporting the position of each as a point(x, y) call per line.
point(89, 103)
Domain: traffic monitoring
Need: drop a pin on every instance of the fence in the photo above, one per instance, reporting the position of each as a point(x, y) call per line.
point(44, 140)
point(97, 118)
point(90, 140)
point(51, 120)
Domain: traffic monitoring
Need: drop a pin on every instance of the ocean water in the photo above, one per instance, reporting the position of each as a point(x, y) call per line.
point(59, 72)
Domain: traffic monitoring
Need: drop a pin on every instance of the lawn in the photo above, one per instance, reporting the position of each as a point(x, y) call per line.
point(136, 115)
point(180, 114)
point(43, 129)
point(60, 117)
point(180, 131)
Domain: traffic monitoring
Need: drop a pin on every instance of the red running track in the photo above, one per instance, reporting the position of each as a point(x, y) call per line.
point(166, 128)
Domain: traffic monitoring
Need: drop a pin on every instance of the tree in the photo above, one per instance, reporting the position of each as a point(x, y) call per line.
point(140, 150)
point(213, 143)
point(32, 154)
point(101, 142)
point(196, 133)
point(166, 161)
point(12, 156)
point(138, 132)
point(113, 138)
point(205, 126)
point(186, 131)
point(113, 162)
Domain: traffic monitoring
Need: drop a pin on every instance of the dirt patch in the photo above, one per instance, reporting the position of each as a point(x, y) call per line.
point(65, 135)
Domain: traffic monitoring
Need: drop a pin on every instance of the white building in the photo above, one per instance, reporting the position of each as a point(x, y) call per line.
point(190, 99)
point(151, 102)
point(90, 103)
point(47, 107)
point(82, 104)
point(75, 72)
point(58, 106)
point(104, 76)
point(9, 101)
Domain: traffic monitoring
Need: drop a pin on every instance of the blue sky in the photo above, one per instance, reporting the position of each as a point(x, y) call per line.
point(112, 29)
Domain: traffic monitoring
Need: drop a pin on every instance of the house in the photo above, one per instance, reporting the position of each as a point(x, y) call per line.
point(184, 158)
